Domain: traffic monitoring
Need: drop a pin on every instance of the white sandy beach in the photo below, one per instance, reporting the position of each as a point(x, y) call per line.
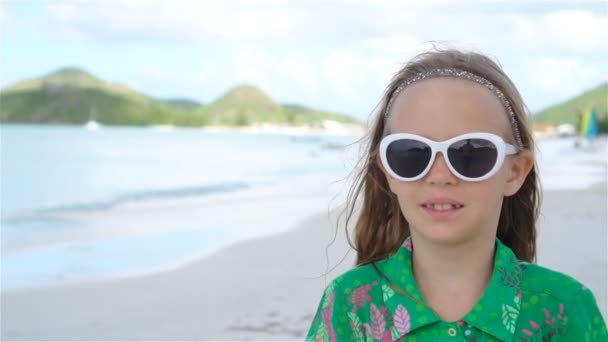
point(268, 288)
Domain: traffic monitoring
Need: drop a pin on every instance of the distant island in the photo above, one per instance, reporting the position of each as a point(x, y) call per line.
point(571, 110)
point(75, 96)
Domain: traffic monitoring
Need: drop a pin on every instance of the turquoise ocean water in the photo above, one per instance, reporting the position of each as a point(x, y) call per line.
point(58, 181)
point(52, 173)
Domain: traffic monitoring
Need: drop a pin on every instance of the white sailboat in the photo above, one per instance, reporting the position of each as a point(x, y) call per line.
point(92, 124)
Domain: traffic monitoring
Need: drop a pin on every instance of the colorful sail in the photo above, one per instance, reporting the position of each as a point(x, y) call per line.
point(589, 125)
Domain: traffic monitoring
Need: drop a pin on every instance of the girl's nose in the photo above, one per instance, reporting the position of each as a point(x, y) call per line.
point(440, 172)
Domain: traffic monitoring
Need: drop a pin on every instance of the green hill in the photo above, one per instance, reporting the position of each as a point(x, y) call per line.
point(570, 111)
point(74, 78)
point(183, 103)
point(70, 95)
point(74, 105)
point(244, 105)
point(73, 96)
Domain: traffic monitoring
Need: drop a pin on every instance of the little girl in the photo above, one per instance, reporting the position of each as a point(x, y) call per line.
point(446, 233)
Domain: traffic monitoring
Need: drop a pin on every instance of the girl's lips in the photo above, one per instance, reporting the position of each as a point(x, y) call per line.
point(442, 214)
point(441, 200)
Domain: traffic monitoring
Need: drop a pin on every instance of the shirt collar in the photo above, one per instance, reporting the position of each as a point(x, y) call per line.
point(496, 312)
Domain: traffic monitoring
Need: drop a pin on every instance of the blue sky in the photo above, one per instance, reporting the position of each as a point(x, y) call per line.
point(332, 55)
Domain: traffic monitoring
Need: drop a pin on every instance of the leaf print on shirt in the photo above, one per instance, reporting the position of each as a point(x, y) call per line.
point(510, 313)
point(402, 322)
point(328, 291)
point(387, 292)
point(355, 324)
point(321, 334)
point(377, 327)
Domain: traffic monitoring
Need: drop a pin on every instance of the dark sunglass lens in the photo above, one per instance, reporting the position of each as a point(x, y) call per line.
point(473, 158)
point(408, 158)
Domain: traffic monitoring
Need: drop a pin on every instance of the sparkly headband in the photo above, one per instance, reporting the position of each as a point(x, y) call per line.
point(450, 72)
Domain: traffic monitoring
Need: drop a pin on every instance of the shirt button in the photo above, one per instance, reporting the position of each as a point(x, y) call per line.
point(452, 332)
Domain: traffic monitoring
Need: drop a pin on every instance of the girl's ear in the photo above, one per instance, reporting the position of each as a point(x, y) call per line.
point(520, 166)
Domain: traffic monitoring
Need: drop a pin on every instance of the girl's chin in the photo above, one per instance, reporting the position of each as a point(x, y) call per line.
point(442, 233)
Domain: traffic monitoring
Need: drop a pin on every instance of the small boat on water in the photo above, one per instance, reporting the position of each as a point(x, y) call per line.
point(92, 125)
point(588, 130)
point(328, 145)
point(304, 139)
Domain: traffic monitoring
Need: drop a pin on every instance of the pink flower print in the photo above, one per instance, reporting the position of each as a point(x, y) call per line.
point(548, 320)
point(510, 279)
point(359, 296)
point(562, 318)
point(534, 325)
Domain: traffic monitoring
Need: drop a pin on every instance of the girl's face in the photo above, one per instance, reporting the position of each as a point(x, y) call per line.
point(439, 109)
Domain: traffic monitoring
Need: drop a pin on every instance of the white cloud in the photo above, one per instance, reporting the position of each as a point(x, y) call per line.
point(388, 27)
point(396, 45)
point(339, 70)
point(335, 55)
point(568, 31)
point(300, 72)
point(179, 20)
point(251, 66)
point(562, 77)
point(65, 12)
point(578, 30)
point(3, 15)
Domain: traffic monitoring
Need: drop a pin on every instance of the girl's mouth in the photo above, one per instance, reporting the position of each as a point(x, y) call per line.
point(442, 211)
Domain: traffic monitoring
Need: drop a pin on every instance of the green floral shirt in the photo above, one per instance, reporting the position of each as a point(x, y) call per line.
point(522, 302)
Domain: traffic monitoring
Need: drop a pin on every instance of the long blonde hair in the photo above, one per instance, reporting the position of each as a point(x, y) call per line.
point(380, 227)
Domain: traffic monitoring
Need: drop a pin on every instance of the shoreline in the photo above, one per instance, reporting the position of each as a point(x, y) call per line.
point(208, 219)
point(268, 288)
point(199, 256)
point(332, 128)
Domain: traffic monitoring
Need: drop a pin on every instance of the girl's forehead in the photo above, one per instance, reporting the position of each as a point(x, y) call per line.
point(443, 107)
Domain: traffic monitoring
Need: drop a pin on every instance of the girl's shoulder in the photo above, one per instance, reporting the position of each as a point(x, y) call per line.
point(368, 279)
point(359, 275)
point(545, 282)
point(556, 304)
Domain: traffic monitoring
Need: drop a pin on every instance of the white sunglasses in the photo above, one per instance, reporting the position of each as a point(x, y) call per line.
point(472, 157)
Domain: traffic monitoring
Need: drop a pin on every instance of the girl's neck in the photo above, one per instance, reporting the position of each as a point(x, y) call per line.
point(452, 278)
